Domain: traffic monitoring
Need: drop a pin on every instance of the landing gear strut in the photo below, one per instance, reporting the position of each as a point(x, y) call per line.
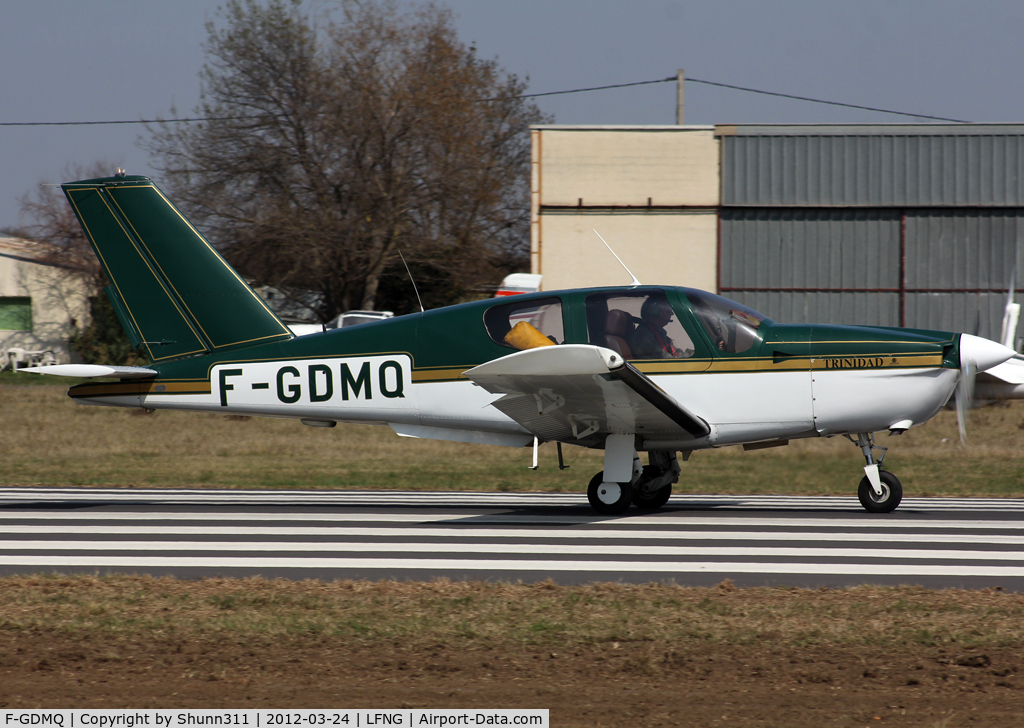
point(646, 486)
point(879, 491)
point(654, 487)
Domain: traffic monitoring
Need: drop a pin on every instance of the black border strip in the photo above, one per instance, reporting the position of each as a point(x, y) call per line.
point(635, 380)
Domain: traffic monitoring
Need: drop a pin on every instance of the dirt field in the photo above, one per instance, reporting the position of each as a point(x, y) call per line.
point(599, 685)
point(604, 655)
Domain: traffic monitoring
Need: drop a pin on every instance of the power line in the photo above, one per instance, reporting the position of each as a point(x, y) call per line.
point(523, 96)
point(753, 91)
point(821, 101)
point(123, 121)
point(594, 88)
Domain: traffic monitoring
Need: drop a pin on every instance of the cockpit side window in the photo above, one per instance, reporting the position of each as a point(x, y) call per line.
point(732, 327)
point(638, 324)
point(526, 324)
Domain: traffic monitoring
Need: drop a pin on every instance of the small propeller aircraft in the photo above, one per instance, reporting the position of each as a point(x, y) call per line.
point(656, 369)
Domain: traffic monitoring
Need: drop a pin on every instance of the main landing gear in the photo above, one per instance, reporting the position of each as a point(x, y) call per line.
point(879, 491)
point(645, 486)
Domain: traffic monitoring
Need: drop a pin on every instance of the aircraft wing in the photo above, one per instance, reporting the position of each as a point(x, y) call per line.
point(1010, 371)
point(574, 391)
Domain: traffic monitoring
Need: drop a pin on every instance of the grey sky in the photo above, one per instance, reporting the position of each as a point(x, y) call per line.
point(67, 60)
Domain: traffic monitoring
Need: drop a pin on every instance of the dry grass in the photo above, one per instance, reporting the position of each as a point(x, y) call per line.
point(47, 439)
point(478, 614)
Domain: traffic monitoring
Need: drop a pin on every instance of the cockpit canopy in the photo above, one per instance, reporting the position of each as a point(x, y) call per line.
point(732, 327)
point(639, 323)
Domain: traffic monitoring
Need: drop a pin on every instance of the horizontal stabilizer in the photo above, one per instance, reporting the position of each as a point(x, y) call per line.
point(92, 371)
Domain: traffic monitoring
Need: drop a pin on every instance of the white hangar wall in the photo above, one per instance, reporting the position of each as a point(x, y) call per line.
point(651, 191)
point(40, 304)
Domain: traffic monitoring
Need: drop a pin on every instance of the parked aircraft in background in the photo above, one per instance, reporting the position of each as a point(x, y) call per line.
point(656, 369)
point(341, 321)
point(516, 283)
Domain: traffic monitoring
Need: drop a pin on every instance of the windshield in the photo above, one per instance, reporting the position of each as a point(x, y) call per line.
point(733, 327)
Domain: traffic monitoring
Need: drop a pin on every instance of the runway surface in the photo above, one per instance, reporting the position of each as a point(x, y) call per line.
point(694, 540)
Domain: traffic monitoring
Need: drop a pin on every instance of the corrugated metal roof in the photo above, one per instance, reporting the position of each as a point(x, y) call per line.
point(972, 167)
point(997, 129)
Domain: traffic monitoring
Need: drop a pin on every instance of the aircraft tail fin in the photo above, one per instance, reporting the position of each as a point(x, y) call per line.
point(172, 291)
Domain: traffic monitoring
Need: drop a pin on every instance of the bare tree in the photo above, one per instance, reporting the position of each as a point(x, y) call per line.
point(329, 146)
point(47, 219)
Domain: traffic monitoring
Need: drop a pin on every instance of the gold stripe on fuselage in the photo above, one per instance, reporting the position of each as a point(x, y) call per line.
point(445, 374)
point(660, 367)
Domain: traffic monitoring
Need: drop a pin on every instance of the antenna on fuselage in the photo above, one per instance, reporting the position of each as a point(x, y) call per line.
point(635, 281)
point(411, 280)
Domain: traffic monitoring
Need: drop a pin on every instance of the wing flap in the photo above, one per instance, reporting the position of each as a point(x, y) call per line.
point(578, 391)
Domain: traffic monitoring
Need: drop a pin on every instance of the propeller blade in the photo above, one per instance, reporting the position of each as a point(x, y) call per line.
point(1011, 315)
point(976, 354)
point(964, 395)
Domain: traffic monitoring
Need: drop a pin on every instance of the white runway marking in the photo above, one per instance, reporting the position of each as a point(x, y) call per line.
point(457, 565)
point(519, 548)
point(517, 533)
point(478, 499)
point(358, 535)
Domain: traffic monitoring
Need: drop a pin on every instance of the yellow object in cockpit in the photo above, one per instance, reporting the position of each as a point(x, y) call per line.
point(525, 335)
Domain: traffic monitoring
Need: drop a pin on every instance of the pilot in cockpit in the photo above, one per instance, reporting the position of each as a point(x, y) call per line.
point(650, 340)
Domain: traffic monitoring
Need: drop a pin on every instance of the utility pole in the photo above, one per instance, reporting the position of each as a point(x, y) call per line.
point(679, 97)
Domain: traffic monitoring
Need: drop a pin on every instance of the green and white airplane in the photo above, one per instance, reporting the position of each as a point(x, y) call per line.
point(656, 369)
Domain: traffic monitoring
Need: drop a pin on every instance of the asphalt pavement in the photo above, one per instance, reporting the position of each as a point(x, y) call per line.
point(696, 540)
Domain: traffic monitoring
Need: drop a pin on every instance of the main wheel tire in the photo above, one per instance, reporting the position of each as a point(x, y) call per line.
point(892, 493)
point(606, 500)
point(651, 501)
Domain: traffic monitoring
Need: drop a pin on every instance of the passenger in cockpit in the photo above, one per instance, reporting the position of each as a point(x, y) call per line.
point(650, 340)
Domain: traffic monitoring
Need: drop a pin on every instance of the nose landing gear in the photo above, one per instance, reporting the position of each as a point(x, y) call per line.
point(879, 491)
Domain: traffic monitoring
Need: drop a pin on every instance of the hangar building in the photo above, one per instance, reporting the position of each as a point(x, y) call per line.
point(915, 225)
point(41, 304)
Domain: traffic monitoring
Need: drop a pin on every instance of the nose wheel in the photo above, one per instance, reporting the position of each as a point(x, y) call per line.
point(879, 491)
point(890, 497)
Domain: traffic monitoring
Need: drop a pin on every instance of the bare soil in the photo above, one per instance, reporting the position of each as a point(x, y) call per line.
point(620, 684)
point(599, 655)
